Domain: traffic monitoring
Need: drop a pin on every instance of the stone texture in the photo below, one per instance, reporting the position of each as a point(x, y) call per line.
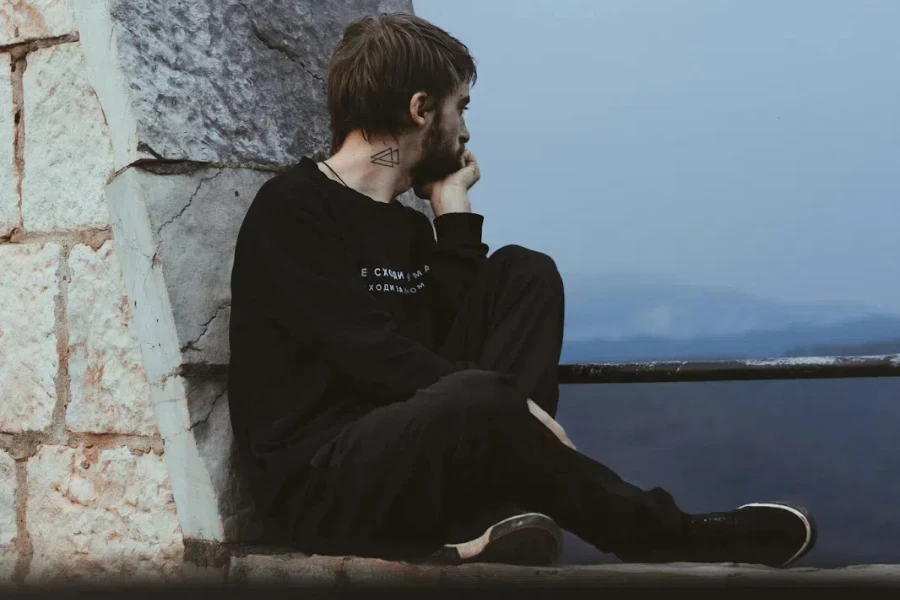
point(9, 196)
point(196, 497)
point(223, 81)
point(22, 20)
point(68, 153)
point(8, 558)
point(211, 427)
point(101, 515)
point(175, 236)
point(28, 356)
point(189, 222)
point(375, 572)
point(285, 569)
point(108, 386)
point(196, 218)
point(8, 528)
point(196, 575)
point(298, 569)
point(408, 198)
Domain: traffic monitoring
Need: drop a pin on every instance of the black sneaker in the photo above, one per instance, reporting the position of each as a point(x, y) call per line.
point(527, 539)
point(774, 534)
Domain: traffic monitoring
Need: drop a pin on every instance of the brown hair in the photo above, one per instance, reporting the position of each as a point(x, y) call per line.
point(380, 63)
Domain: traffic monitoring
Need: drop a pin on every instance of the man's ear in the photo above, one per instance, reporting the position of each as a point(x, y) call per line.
point(420, 105)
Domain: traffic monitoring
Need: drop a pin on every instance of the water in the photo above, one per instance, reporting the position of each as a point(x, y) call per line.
point(831, 445)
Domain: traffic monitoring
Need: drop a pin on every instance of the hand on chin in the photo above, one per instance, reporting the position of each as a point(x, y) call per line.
point(464, 174)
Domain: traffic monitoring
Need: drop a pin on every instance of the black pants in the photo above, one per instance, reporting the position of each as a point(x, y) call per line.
point(395, 482)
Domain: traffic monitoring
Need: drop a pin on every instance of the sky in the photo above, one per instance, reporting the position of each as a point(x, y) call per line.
point(750, 145)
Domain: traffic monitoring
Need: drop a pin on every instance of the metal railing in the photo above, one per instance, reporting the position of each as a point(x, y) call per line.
point(814, 367)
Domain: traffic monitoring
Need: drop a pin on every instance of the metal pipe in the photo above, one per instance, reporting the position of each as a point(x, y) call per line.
point(814, 367)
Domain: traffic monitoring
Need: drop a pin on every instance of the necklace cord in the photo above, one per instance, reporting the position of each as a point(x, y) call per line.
point(335, 174)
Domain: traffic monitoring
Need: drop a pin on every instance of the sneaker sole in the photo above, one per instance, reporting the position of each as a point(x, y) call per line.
point(529, 539)
point(808, 522)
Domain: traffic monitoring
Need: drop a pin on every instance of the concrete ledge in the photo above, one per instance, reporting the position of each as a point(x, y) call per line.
point(335, 571)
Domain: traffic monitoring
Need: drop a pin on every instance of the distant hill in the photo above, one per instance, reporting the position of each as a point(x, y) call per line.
point(891, 346)
point(622, 306)
point(809, 340)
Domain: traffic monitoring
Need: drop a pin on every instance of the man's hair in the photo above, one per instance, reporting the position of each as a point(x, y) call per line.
point(380, 63)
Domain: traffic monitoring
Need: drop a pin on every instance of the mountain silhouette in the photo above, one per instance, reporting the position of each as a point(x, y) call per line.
point(797, 340)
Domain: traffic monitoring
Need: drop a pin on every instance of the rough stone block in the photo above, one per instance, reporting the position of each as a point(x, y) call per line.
point(68, 154)
point(9, 195)
point(101, 515)
point(297, 569)
point(8, 528)
point(23, 20)
point(223, 81)
point(109, 389)
point(376, 572)
point(28, 356)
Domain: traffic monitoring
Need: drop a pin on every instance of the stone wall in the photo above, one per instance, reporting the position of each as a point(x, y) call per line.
point(133, 136)
point(84, 489)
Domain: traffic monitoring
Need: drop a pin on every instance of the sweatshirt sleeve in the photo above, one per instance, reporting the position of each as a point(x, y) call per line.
point(457, 257)
point(315, 291)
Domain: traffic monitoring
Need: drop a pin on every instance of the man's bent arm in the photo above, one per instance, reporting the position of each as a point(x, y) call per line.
point(456, 258)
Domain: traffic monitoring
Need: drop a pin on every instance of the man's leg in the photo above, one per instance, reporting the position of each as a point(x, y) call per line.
point(511, 321)
point(390, 483)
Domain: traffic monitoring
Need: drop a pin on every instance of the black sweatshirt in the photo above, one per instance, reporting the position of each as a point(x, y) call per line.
point(338, 305)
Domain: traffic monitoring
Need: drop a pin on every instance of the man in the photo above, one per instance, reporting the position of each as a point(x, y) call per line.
point(393, 387)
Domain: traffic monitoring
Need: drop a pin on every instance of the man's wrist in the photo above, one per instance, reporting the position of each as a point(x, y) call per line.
point(451, 201)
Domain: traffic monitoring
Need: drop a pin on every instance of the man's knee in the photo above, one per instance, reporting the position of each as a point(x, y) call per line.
point(524, 260)
point(479, 390)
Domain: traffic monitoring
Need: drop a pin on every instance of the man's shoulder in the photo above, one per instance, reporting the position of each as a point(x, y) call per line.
point(290, 192)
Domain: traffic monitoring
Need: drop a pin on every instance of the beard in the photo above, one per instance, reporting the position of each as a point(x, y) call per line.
point(439, 159)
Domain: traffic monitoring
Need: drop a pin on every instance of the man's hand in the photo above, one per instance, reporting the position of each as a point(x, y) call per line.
point(451, 193)
point(550, 423)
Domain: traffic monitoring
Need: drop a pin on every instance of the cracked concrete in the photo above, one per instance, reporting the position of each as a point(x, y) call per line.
point(216, 327)
point(188, 203)
point(192, 221)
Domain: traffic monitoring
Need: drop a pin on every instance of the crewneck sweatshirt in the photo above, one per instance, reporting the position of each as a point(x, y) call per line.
point(339, 303)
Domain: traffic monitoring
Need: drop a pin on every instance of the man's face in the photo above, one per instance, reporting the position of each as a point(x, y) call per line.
point(444, 142)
